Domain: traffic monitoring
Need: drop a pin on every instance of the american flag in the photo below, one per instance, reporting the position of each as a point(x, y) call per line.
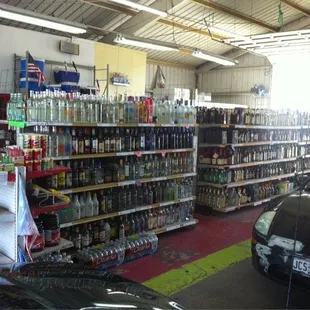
point(33, 68)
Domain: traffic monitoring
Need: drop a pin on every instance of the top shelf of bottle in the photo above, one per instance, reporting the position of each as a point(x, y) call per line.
point(64, 124)
point(252, 126)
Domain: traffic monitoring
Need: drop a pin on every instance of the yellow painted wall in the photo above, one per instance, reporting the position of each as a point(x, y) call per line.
point(126, 61)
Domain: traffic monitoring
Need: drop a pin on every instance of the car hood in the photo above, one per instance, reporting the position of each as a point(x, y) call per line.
point(284, 222)
point(70, 286)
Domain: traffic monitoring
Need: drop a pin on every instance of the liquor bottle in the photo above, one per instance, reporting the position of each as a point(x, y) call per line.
point(85, 237)
point(75, 175)
point(75, 149)
point(89, 207)
point(68, 177)
point(82, 205)
point(118, 141)
point(102, 200)
point(95, 205)
point(100, 142)
point(60, 143)
point(112, 141)
point(81, 174)
point(107, 229)
point(87, 145)
point(121, 171)
point(76, 207)
point(126, 169)
point(106, 141)
point(94, 142)
point(80, 142)
point(121, 234)
point(101, 232)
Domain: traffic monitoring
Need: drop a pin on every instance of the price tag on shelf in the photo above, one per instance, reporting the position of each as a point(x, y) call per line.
point(230, 209)
point(138, 154)
point(126, 211)
point(126, 183)
point(138, 183)
point(144, 208)
point(124, 153)
point(163, 153)
point(166, 203)
point(106, 125)
point(187, 126)
point(257, 203)
point(146, 125)
point(66, 191)
point(64, 225)
point(173, 227)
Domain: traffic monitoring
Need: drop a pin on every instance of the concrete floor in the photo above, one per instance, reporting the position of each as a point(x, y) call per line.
point(240, 287)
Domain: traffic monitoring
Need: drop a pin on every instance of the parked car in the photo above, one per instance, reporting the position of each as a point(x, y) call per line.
point(275, 236)
point(70, 286)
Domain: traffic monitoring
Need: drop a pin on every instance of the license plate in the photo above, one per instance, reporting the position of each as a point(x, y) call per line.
point(302, 266)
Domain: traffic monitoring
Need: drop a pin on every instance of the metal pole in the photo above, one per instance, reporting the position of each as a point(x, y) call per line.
point(27, 86)
point(108, 74)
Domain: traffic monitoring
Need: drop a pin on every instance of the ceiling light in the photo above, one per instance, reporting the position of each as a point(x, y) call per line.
point(121, 40)
point(40, 22)
point(140, 7)
point(218, 59)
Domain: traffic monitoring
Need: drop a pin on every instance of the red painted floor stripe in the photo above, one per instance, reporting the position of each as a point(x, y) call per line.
point(213, 233)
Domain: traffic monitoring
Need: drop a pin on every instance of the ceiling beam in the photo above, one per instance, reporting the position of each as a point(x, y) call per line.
point(170, 64)
point(143, 19)
point(111, 7)
point(223, 9)
point(297, 7)
point(192, 29)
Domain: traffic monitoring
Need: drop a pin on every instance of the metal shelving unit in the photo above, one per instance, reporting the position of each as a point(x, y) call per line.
point(249, 164)
point(9, 197)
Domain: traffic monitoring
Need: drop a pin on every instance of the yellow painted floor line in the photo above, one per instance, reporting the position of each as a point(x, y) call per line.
point(175, 280)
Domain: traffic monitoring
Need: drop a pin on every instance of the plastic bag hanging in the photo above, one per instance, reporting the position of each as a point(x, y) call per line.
point(25, 223)
point(160, 80)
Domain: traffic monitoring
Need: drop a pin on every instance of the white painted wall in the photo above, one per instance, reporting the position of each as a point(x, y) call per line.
point(176, 77)
point(233, 84)
point(41, 46)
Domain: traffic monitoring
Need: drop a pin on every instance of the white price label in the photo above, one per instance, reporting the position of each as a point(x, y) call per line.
point(106, 125)
point(166, 204)
point(144, 208)
point(257, 203)
point(230, 209)
point(146, 125)
point(64, 225)
point(66, 191)
point(126, 211)
point(173, 227)
point(124, 153)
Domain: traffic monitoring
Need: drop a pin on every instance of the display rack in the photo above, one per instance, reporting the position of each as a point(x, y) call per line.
point(9, 197)
point(297, 161)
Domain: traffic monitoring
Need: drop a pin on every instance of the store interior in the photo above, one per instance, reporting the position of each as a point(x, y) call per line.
point(147, 143)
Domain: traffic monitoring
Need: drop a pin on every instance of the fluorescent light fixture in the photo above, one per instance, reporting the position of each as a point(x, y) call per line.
point(40, 22)
point(217, 59)
point(121, 40)
point(140, 7)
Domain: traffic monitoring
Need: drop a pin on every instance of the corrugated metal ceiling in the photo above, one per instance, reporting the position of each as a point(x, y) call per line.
point(188, 13)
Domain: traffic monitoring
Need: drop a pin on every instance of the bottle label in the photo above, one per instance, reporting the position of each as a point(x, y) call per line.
point(102, 206)
point(102, 236)
point(75, 147)
point(101, 147)
point(68, 179)
point(81, 147)
point(94, 146)
point(127, 171)
point(85, 241)
point(87, 143)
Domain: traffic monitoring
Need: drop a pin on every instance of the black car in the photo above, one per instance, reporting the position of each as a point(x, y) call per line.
point(275, 237)
point(70, 286)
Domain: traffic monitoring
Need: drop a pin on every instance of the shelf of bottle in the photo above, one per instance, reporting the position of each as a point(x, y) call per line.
point(256, 203)
point(250, 126)
point(119, 154)
point(246, 144)
point(171, 227)
point(304, 143)
point(124, 183)
point(247, 182)
point(124, 212)
point(304, 172)
point(304, 156)
point(87, 124)
point(63, 245)
point(244, 165)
